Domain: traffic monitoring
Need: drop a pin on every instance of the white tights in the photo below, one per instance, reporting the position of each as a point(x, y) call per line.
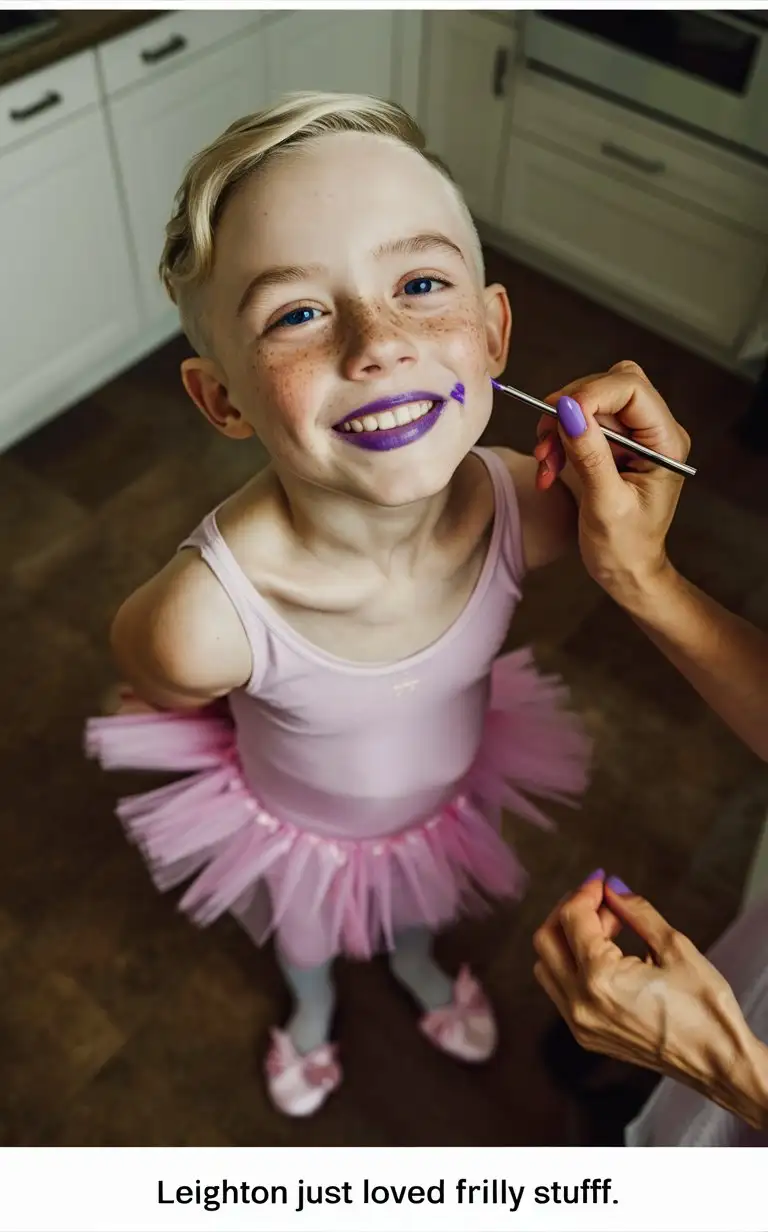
point(314, 994)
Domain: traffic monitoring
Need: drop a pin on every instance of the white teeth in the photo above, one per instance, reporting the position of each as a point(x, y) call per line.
point(389, 419)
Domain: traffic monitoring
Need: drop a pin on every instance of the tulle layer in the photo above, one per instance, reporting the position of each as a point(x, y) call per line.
point(211, 827)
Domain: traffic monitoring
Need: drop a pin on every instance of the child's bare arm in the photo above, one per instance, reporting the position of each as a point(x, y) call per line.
point(178, 641)
point(548, 519)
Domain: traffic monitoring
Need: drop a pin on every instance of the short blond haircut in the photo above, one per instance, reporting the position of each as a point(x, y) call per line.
point(249, 145)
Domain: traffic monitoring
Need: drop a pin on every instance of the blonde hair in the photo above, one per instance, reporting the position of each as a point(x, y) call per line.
point(249, 144)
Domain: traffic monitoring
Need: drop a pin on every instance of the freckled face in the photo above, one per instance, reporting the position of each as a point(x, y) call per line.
point(344, 276)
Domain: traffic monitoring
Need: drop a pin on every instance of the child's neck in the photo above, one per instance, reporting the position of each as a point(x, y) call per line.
point(334, 525)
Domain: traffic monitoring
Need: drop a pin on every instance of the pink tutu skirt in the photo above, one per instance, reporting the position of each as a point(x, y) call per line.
point(210, 828)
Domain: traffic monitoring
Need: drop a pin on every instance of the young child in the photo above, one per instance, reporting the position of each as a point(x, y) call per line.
point(321, 650)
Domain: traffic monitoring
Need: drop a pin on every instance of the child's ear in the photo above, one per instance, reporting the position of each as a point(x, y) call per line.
point(203, 381)
point(498, 327)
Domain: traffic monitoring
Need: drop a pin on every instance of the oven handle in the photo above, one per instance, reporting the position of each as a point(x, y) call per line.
point(649, 166)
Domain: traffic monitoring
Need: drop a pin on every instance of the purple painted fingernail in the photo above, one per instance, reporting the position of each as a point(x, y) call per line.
point(571, 416)
point(598, 875)
point(458, 393)
point(618, 886)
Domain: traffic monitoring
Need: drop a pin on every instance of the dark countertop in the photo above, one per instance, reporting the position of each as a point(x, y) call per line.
point(78, 30)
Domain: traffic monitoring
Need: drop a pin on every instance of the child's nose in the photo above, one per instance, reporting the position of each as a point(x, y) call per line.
point(374, 345)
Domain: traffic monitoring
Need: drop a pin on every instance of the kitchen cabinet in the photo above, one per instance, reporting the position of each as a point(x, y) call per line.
point(159, 124)
point(659, 219)
point(349, 52)
point(68, 296)
point(686, 266)
point(469, 75)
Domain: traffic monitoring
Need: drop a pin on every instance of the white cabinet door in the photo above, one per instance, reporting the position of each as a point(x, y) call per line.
point(159, 125)
point(470, 65)
point(683, 265)
point(66, 285)
point(347, 52)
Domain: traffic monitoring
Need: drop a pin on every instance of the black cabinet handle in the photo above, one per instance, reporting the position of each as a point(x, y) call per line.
point(51, 99)
point(175, 44)
point(499, 72)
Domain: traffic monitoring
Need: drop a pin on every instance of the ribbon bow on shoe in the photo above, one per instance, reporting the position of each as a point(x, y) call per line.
point(299, 1084)
point(466, 1028)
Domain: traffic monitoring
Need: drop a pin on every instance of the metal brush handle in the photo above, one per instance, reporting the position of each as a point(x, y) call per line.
point(626, 442)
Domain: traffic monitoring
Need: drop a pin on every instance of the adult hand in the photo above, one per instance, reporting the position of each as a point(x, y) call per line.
point(626, 504)
point(672, 1012)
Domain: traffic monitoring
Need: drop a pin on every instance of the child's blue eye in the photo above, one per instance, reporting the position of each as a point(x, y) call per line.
point(422, 286)
point(298, 316)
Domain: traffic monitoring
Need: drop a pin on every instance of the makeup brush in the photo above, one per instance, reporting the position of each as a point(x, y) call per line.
point(626, 442)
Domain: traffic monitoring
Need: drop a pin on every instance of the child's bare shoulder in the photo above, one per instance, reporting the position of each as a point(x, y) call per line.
point(548, 519)
point(178, 638)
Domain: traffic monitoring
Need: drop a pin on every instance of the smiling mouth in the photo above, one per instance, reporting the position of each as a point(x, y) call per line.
point(398, 420)
point(385, 420)
point(391, 423)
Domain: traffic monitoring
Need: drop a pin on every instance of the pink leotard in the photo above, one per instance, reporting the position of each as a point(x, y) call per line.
point(359, 750)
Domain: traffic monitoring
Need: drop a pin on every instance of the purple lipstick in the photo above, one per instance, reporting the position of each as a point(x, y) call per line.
point(422, 407)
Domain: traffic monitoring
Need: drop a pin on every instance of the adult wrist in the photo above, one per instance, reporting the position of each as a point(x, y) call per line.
point(642, 590)
point(738, 1075)
point(750, 1075)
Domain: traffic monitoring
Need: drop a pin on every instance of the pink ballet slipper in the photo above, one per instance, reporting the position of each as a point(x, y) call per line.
point(466, 1028)
point(300, 1084)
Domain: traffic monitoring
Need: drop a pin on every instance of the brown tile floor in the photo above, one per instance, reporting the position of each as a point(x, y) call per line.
point(119, 1024)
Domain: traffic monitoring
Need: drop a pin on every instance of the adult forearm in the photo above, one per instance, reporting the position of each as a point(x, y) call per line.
point(740, 1083)
point(724, 657)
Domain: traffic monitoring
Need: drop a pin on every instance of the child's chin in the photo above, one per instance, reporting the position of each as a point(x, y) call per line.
point(408, 484)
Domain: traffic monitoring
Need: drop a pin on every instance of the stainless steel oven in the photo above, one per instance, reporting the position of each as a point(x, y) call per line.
point(707, 71)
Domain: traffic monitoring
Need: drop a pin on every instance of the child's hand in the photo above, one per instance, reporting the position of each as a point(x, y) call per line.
point(121, 699)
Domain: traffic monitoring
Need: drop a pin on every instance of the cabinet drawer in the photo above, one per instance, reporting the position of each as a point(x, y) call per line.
point(162, 44)
point(641, 150)
point(32, 104)
point(691, 269)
